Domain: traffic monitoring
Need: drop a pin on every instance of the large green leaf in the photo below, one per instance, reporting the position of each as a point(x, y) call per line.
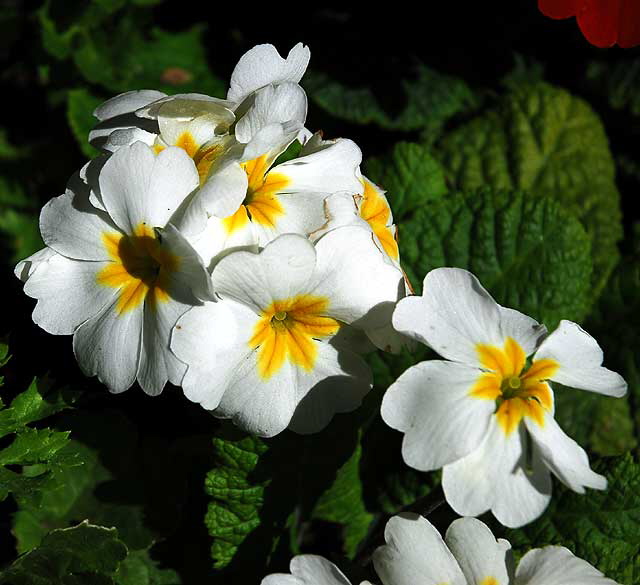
point(529, 252)
point(428, 100)
point(600, 527)
point(80, 555)
point(550, 143)
point(410, 176)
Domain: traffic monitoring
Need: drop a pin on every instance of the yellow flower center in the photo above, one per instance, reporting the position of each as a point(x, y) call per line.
point(288, 330)
point(375, 210)
point(261, 203)
point(140, 268)
point(516, 390)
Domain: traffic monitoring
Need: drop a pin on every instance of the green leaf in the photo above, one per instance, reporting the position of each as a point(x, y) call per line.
point(18, 221)
point(120, 481)
point(80, 106)
point(236, 500)
point(527, 251)
point(81, 555)
point(600, 527)
point(618, 82)
point(33, 446)
point(343, 503)
point(410, 175)
point(428, 100)
point(140, 569)
point(550, 143)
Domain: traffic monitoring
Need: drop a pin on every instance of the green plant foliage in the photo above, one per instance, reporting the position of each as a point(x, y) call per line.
point(33, 454)
point(140, 569)
point(618, 82)
point(550, 143)
point(527, 251)
point(410, 176)
point(429, 99)
point(115, 483)
point(80, 106)
point(110, 46)
point(83, 554)
point(600, 527)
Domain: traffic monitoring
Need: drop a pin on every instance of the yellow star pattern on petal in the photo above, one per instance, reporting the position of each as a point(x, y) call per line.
point(288, 330)
point(517, 391)
point(140, 268)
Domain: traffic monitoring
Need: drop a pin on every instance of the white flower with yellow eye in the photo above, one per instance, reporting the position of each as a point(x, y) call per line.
point(275, 351)
point(486, 416)
point(469, 554)
point(371, 210)
point(119, 279)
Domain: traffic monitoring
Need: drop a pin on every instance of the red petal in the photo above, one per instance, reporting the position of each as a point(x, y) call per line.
point(559, 8)
point(599, 20)
point(629, 29)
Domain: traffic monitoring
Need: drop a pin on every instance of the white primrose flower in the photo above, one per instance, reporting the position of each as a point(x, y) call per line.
point(371, 210)
point(486, 416)
point(415, 553)
point(275, 350)
point(119, 279)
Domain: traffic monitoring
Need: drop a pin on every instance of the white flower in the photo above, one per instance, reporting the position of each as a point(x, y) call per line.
point(371, 210)
point(119, 279)
point(275, 351)
point(486, 416)
point(415, 553)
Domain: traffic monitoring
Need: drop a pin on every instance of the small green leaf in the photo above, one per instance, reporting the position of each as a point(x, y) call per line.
point(33, 446)
point(83, 554)
point(410, 176)
point(343, 503)
point(80, 106)
point(551, 144)
point(527, 251)
point(429, 99)
point(601, 527)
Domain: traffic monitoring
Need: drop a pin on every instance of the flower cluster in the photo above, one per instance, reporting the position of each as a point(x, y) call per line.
point(468, 555)
point(221, 246)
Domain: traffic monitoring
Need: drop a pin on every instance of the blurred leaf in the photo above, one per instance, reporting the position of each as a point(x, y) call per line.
point(601, 527)
point(410, 175)
point(619, 82)
point(140, 569)
point(81, 555)
point(527, 251)
point(428, 100)
point(550, 143)
point(343, 503)
point(80, 106)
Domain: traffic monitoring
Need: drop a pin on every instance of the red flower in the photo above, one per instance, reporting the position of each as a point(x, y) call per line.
point(602, 22)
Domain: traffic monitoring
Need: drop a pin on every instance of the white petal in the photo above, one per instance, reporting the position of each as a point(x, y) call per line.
point(388, 339)
point(329, 168)
point(493, 478)
point(309, 570)
point(201, 129)
point(273, 105)
point(71, 226)
point(25, 268)
point(518, 326)
point(477, 551)
point(67, 293)
point(187, 106)
point(111, 140)
point(415, 553)
point(563, 456)
point(263, 65)
point(271, 140)
point(280, 271)
point(127, 102)
point(108, 346)
point(140, 187)
point(362, 285)
point(338, 383)
point(191, 280)
point(212, 340)
point(453, 315)
point(556, 565)
point(303, 214)
point(430, 403)
point(580, 359)
point(157, 364)
point(339, 210)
